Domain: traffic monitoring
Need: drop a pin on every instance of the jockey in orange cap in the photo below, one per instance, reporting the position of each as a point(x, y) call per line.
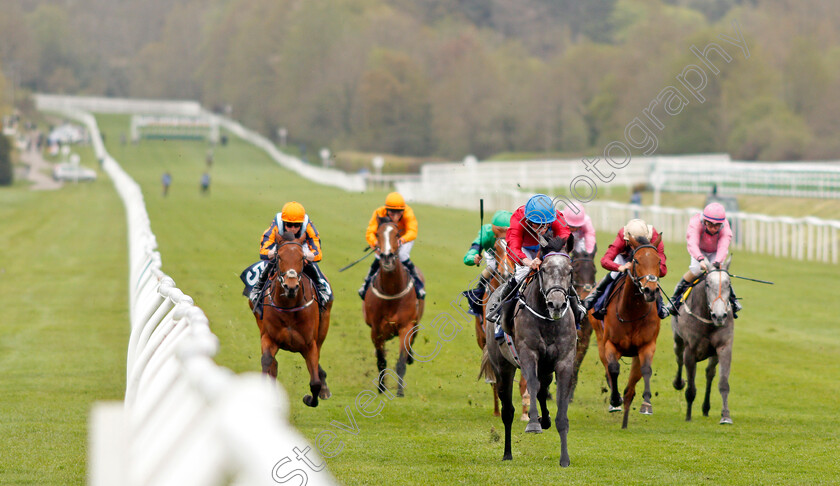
point(401, 214)
point(293, 218)
point(707, 239)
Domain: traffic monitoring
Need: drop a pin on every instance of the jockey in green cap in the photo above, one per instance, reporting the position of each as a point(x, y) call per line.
point(484, 243)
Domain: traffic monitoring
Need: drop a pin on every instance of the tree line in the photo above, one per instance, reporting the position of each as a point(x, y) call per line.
point(447, 78)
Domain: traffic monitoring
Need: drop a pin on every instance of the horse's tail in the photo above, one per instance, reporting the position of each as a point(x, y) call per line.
point(486, 371)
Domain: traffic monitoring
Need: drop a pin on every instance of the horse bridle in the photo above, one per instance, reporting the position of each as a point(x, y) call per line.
point(291, 273)
point(585, 287)
point(556, 288)
point(637, 280)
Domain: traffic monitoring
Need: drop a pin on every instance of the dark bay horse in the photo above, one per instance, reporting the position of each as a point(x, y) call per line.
point(705, 329)
point(391, 307)
point(544, 335)
point(583, 278)
point(504, 270)
point(291, 318)
point(631, 326)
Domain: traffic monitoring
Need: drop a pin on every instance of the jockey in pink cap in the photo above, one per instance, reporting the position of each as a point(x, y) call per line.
point(581, 226)
point(708, 237)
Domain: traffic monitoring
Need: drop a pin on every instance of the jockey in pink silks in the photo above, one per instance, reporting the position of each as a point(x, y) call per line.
point(581, 226)
point(707, 238)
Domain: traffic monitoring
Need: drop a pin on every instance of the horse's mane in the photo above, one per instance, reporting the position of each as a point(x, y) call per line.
point(288, 236)
point(642, 240)
point(383, 219)
point(554, 244)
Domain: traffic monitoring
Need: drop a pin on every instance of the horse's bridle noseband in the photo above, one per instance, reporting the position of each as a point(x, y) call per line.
point(556, 288)
point(291, 273)
point(637, 280)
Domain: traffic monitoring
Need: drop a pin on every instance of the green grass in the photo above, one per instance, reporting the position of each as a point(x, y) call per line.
point(63, 325)
point(783, 379)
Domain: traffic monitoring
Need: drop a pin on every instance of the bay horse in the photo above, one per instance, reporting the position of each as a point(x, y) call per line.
point(544, 335)
point(583, 279)
point(292, 320)
point(631, 326)
point(391, 307)
point(504, 270)
point(705, 329)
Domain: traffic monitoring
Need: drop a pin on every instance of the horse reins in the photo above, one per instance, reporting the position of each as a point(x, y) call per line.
point(545, 292)
point(281, 277)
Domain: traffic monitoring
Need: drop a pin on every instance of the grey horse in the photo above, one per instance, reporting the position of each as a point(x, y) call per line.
point(545, 338)
point(705, 329)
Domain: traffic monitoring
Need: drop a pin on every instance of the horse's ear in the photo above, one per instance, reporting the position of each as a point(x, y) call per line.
point(726, 262)
point(656, 240)
point(632, 240)
point(302, 238)
point(498, 231)
point(570, 244)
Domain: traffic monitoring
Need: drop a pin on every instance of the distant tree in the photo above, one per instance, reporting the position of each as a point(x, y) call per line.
point(6, 173)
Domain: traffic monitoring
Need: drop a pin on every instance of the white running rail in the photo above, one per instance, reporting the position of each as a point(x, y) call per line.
point(185, 420)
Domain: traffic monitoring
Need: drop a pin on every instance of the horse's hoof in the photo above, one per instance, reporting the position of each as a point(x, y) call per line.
point(564, 462)
point(615, 409)
point(646, 409)
point(534, 428)
point(678, 385)
point(325, 394)
point(400, 393)
point(525, 417)
point(309, 401)
point(726, 421)
point(545, 422)
point(496, 414)
point(507, 457)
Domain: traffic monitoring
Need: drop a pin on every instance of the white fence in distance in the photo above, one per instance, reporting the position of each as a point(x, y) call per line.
point(684, 173)
point(799, 238)
point(330, 177)
point(185, 420)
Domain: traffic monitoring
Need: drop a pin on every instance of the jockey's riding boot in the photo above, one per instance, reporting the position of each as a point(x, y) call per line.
point(373, 268)
point(256, 292)
point(418, 284)
point(474, 297)
point(505, 309)
point(577, 307)
point(322, 287)
point(676, 302)
point(661, 309)
point(590, 299)
point(505, 293)
point(736, 306)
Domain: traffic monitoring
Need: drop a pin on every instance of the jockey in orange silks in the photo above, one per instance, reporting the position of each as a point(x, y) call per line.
point(400, 213)
point(293, 218)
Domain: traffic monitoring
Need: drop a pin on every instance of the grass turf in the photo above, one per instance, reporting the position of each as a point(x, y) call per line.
point(783, 376)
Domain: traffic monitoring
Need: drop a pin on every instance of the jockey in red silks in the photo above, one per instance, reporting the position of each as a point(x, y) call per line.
point(581, 227)
point(616, 261)
point(536, 218)
point(707, 238)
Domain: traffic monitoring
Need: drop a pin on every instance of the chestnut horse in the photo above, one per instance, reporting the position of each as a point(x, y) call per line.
point(504, 270)
point(391, 307)
point(291, 318)
point(705, 328)
point(583, 278)
point(544, 335)
point(631, 326)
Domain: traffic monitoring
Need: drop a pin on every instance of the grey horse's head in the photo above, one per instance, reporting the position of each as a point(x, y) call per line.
point(717, 293)
point(556, 276)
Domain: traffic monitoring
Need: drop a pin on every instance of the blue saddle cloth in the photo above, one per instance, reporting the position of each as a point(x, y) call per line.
point(250, 276)
point(602, 300)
